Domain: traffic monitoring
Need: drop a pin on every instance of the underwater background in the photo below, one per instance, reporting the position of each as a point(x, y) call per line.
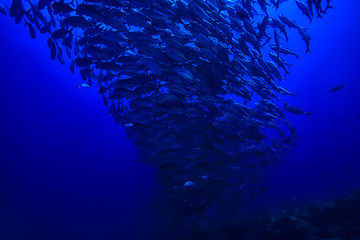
point(67, 171)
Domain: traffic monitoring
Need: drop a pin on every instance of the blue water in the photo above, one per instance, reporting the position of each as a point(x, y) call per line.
point(67, 170)
point(325, 163)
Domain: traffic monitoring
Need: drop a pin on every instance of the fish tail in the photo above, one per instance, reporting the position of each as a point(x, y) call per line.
point(276, 5)
point(309, 114)
point(323, 11)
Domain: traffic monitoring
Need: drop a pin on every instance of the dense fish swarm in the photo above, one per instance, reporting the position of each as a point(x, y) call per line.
point(195, 83)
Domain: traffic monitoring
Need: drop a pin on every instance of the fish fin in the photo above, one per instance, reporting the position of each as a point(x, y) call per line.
point(309, 114)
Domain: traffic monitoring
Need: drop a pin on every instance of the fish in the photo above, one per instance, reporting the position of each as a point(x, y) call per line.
point(242, 13)
point(59, 33)
point(105, 100)
point(279, 24)
point(31, 29)
point(263, 5)
point(336, 88)
point(277, 43)
point(296, 110)
point(306, 37)
point(60, 56)
point(249, 27)
point(262, 28)
point(61, 7)
point(51, 45)
point(82, 85)
point(274, 69)
point(328, 6)
point(278, 61)
point(318, 7)
point(286, 92)
point(75, 21)
point(3, 9)
point(17, 10)
point(46, 28)
point(305, 10)
point(72, 66)
point(282, 50)
point(43, 3)
point(291, 129)
point(288, 22)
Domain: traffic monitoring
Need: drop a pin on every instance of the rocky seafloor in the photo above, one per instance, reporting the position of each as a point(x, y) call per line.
point(335, 219)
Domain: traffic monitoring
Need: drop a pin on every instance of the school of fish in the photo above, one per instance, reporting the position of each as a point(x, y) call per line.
point(195, 84)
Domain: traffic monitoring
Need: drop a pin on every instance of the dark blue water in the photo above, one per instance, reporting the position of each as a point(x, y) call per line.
point(68, 172)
